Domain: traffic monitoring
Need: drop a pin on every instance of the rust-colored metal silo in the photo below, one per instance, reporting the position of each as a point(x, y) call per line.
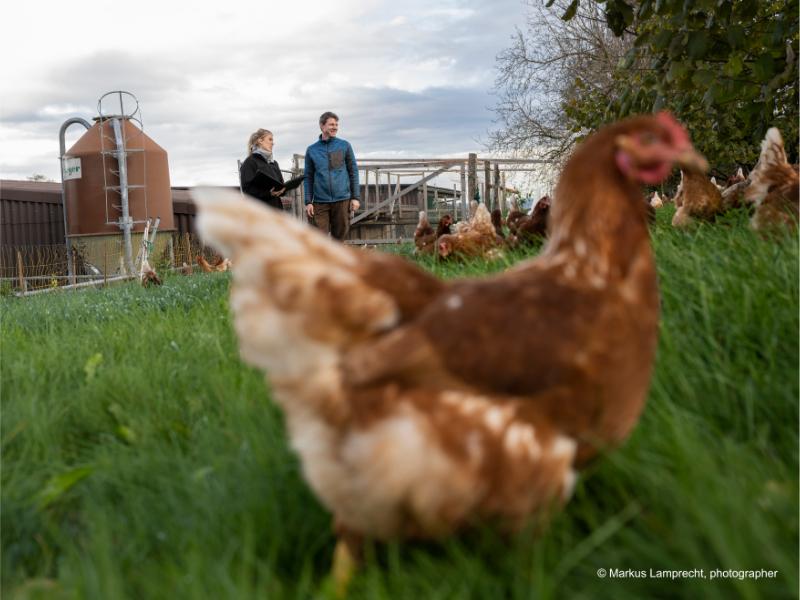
point(93, 199)
point(115, 179)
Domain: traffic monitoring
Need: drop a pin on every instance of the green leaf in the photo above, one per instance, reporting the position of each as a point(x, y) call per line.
point(659, 103)
point(549, 3)
point(645, 10)
point(642, 39)
point(764, 67)
point(734, 66)
point(618, 16)
point(723, 13)
point(735, 36)
point(58, 485)
point(662, 39)
point(677, 45)
point(703, 77)
point(627, 12)
point(747, 9)
point(571, 10)
point(698, 44)
point(677, 70)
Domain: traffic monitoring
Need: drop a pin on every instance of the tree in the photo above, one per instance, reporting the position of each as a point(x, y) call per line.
point(38, 177)
point(544, 75)
point(726, 68)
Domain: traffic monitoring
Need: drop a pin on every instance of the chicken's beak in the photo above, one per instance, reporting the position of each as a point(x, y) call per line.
point(692, 161)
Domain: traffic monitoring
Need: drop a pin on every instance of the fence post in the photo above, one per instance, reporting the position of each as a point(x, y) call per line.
point(366, 188)
point(187, 244)
point(496, 180)
point(74, 264)
point(487, 185)
point(105, 264)
point(464, 194)
point(472, 176)
point(21, 273)
point(424, 199)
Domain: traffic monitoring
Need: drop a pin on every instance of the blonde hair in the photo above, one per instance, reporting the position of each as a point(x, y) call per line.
point(255, 136)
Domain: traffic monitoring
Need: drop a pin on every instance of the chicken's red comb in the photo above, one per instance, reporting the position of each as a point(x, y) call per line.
point(678, 133)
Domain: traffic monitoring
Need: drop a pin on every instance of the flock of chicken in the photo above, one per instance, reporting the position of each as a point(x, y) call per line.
point(770, 189)
point(218, 264)
point(483, 234)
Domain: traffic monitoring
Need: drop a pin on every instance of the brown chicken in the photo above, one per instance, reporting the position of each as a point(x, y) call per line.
point(204, 264)
point(698, 198)
point(423, 229)
point(533, 227)
point(149, 276)
point(473, 238)
point(735, 178)
point(409, 424)
point(733, 193)
point(217, 264)
point(656, 201)
point(773, 186)
point(497, 222)
point(514, 217)
point(424, 235)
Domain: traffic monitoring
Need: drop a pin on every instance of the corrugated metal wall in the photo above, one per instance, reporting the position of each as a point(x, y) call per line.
point(30, 214)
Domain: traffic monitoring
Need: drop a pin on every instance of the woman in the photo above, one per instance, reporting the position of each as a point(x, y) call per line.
point(260, 174)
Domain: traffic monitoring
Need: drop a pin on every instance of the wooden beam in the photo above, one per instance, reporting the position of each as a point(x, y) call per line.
point(398, 194)
point(487, 185)
point(464, 201)
point(472, 175)
point(496, 179)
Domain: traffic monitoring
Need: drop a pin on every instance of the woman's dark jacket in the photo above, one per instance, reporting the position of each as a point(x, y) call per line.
point(257, 187)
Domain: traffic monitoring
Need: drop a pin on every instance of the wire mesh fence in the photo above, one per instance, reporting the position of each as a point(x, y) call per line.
point(95, 259)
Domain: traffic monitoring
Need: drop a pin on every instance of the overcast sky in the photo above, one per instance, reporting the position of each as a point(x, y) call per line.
point(411, 81)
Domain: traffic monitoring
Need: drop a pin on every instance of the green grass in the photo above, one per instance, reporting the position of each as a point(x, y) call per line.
point(142, 459)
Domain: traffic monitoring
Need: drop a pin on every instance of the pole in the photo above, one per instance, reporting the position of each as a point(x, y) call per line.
point(472, 176)
point(125, 220)
point(62, 144)
point(21, 273)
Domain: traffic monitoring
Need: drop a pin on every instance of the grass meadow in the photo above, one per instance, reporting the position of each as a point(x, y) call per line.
point(142, 459)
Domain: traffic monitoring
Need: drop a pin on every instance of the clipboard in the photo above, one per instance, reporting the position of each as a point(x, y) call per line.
point(273, 184)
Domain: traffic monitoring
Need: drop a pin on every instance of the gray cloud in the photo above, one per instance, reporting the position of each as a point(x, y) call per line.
point(408, 80)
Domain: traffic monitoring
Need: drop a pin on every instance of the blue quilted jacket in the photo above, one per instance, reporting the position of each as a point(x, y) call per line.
point(330, 172)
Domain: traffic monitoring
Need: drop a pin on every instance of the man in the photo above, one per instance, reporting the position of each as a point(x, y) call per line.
point(331, 180)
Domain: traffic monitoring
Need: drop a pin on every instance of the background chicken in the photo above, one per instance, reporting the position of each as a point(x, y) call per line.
point(476, 237)
point(735, 178)
point(424, 235)
point(149, 276)
point(698, 198)
point(773, 186)
point(217, 264)
point(408, 423)
point(514, 216)
point(656, 201)
point(534, 226)
point(497, 222)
